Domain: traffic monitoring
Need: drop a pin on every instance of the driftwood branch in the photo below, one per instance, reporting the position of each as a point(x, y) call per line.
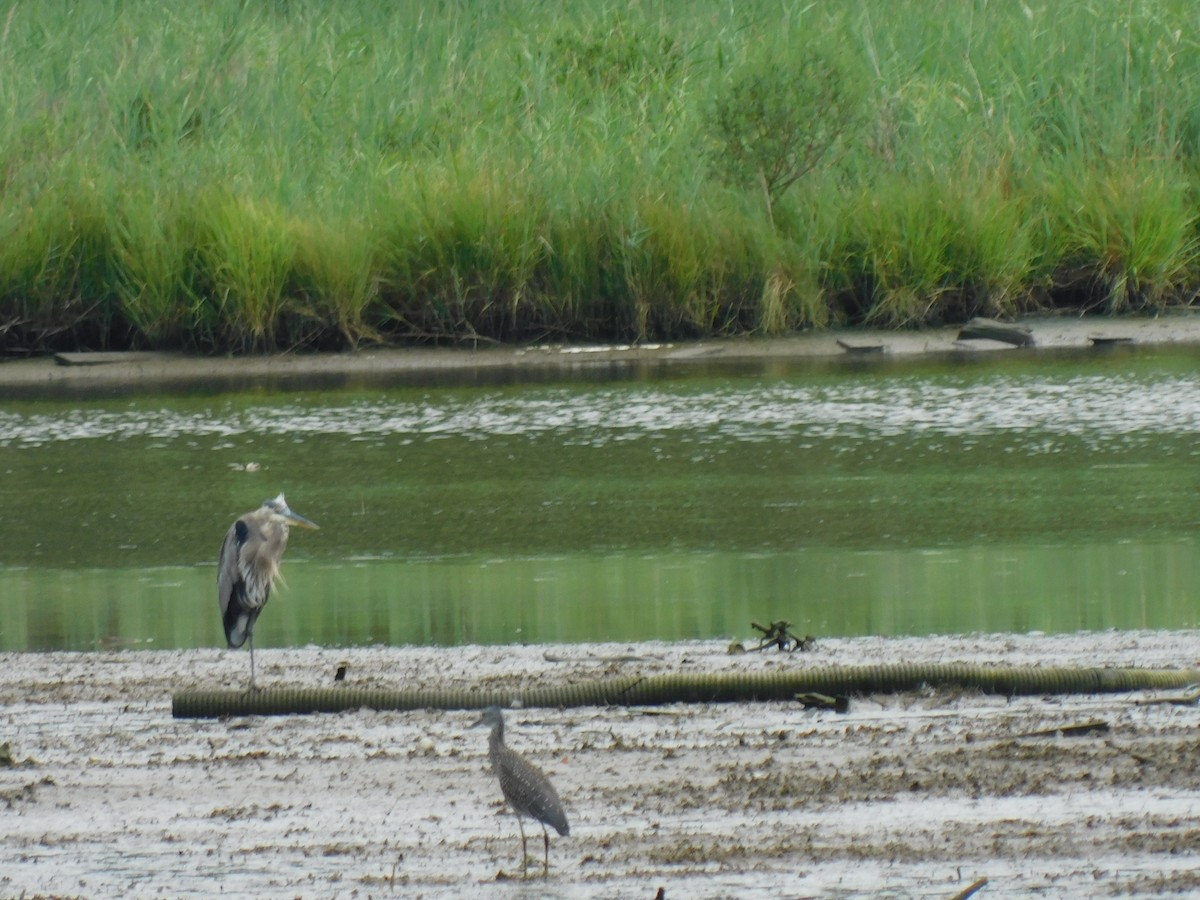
point(779, 635)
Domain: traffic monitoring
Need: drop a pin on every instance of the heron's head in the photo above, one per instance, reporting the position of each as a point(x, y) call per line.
point(491, 717)
point(280, 509)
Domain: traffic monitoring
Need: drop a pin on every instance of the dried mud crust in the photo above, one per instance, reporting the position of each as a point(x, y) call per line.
point(914, 794)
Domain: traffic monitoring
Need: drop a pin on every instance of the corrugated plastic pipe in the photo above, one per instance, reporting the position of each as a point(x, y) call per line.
point(721, 687)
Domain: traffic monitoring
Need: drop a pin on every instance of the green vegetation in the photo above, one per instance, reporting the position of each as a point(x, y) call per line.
point(244, 176)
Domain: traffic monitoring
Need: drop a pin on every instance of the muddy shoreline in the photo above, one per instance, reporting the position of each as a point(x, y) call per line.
point(85, 374)
point(917, 794)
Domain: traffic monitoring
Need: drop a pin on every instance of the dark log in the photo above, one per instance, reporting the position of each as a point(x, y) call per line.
point(991, 330)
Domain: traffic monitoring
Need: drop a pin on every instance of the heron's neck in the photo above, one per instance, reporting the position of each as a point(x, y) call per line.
point(496, 739)
point(274, 528)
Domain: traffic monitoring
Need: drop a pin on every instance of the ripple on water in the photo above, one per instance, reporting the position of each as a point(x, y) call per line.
point(1109, 409)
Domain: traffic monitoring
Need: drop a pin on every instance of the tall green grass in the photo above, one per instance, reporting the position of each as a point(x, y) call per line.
point(240, 177)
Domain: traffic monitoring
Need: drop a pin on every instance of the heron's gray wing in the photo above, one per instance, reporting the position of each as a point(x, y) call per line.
point(228, 572)
point(238, 610)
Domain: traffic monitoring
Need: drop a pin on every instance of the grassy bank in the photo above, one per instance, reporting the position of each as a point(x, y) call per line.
point(249, 176)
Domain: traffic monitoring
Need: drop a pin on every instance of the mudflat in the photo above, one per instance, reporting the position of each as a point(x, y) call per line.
point(916, 794)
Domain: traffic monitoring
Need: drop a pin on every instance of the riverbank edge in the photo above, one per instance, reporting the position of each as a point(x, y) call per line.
point(84, 373)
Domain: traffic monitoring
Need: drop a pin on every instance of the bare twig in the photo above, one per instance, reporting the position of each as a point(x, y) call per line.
point(970, 889)
point(1191, 698)
point(618, 658)
point(1094, 726)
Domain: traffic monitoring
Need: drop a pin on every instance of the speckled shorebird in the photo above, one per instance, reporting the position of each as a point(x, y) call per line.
point(526, 788)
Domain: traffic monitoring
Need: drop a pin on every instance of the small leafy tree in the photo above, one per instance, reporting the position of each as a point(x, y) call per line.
point(778, 120)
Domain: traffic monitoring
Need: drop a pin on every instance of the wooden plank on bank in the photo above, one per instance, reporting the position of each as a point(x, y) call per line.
point(859, 348)
point(104, 358)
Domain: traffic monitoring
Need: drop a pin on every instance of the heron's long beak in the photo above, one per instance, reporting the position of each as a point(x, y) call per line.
point(279, 507)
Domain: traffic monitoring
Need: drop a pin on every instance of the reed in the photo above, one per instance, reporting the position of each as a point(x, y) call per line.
point(247, 177)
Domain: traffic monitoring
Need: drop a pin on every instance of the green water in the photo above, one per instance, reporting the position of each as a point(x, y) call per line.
point(1025, 493)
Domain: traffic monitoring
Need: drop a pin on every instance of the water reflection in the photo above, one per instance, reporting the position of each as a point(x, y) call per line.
point(624, 597)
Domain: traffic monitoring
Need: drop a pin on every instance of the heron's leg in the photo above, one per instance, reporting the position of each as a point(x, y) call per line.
point(524, 854)
point(545, 851)
point(250, 638)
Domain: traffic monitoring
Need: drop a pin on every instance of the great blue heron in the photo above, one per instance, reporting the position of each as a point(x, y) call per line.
point(249, 563)
point(525, 787)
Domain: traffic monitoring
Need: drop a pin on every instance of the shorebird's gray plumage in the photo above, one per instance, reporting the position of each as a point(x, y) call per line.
point(525, 787)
